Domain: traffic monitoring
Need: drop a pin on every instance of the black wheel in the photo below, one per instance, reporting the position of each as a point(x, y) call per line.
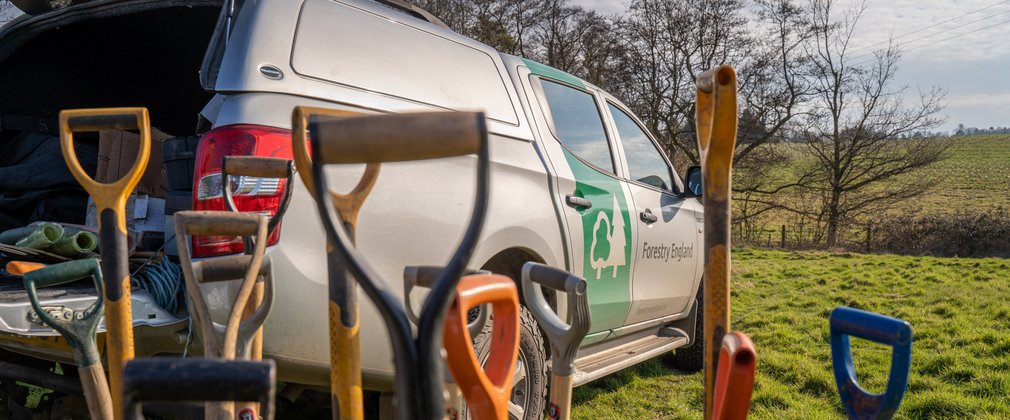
point(692, 358)
point(529, 384)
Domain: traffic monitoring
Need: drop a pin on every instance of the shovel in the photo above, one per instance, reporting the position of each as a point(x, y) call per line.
point(260, 167)
point(110, 201)
point(734, 381)
point(858, 403)
point(79, 332)
point(393, 138)
point(345, 344)
point(225, 341)
point(425, 276)
point(487, 389)
point(564, 337)
point(174, 379)
point(716, 123)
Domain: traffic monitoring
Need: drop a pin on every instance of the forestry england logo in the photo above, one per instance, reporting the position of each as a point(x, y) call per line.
point(609, 241)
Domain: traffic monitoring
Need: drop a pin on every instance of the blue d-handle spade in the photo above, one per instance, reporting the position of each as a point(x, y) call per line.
point(858, 403)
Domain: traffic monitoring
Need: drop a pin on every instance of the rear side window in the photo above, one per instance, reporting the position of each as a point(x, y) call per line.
point(578, 125)
point(645, 161)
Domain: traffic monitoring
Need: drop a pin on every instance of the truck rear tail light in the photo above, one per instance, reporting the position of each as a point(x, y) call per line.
point(251, 194)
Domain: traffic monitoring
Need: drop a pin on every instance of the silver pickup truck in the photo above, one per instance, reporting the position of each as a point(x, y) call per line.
point(577, 182)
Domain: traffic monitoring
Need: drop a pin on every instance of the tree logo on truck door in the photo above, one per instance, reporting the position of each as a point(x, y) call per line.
point(609, 245)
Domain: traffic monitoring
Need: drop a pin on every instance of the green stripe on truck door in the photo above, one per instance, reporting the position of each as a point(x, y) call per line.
point(606, 230)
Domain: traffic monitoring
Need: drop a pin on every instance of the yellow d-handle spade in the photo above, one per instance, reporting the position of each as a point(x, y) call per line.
point(345, 351)
point(716, 122)
point(110, 200)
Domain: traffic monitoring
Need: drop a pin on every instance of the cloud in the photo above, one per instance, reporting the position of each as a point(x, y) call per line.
point(974, 37)
point(605, 7)
point(980, 100)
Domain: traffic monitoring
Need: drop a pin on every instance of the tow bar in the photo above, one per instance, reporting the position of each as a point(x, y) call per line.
point(80, 332)
point(391, 138)
point(110, 200)
point(858, 403)
point(564, 337)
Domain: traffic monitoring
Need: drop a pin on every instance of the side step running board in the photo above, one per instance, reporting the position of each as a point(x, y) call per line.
point(601, 364)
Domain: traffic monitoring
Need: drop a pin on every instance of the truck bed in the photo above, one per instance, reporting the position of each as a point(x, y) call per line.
point(12, 291)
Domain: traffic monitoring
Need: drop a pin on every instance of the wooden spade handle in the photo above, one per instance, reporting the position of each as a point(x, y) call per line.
point(218, 223)
point(487, 389)
point(398, 137)
point(263, 167)
point(96, 391)
point(716, 124)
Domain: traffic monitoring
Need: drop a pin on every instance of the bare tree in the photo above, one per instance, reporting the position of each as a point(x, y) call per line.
point(854, 126)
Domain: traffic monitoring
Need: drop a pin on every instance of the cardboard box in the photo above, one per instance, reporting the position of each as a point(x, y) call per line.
point(118, 149)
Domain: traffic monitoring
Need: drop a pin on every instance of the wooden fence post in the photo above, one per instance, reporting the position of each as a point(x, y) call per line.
point(869, 236)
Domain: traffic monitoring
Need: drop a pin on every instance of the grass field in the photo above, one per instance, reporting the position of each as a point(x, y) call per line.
point(977, 174)
point(974, 177)
point(957, 307)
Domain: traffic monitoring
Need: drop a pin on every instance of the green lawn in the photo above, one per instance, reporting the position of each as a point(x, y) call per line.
point(958, 311)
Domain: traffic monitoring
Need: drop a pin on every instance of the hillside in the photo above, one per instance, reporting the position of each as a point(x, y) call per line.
point(976, 175)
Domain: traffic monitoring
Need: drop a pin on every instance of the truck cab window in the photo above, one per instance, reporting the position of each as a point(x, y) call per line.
point(645, 161)
point(578, 125)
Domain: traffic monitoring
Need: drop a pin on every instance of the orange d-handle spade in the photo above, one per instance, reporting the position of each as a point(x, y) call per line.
point(565, 337)
point(716, 123)
point(735, 380)
point(110, 201)
point(487, 389)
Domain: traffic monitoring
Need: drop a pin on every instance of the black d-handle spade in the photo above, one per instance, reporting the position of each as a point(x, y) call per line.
point(565, 337)
point(395, 138)
point(174, 379)
point(424, 276)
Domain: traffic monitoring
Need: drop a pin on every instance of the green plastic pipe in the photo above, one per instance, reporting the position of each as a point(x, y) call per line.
point(76, 245)
point(44, 235)
point(12, 236)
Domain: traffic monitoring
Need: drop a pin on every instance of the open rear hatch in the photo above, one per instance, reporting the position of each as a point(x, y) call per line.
point(101, 53)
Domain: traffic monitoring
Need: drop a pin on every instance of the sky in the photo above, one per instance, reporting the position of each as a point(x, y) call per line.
point(949, 44)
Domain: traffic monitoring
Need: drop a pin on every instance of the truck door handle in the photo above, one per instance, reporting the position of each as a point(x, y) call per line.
point(648, 217)
point(576, 201)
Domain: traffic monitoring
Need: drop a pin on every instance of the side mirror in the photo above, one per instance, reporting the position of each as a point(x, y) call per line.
point(693, 180)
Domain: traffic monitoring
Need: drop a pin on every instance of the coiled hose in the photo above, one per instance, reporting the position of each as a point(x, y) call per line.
point(162, 279)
